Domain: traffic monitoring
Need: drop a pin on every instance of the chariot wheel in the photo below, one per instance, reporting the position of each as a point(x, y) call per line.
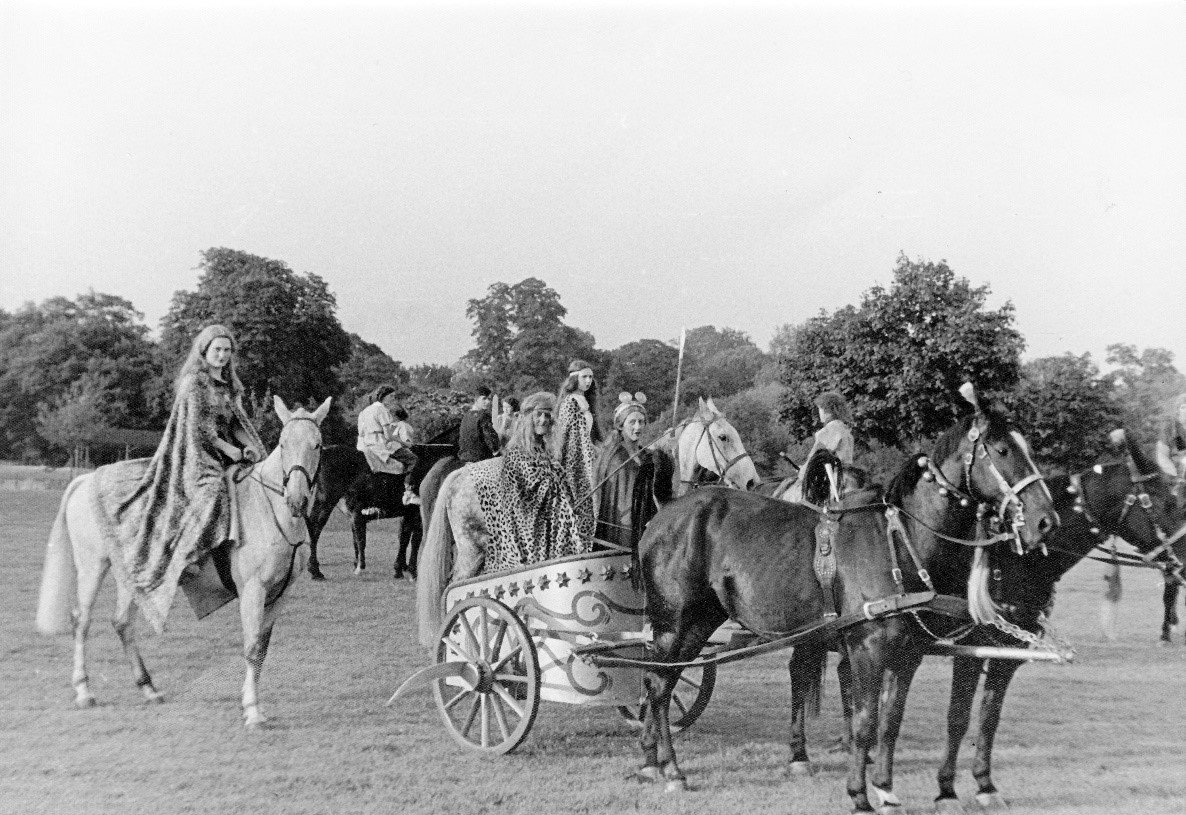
point(688, 700)
point(489, 703)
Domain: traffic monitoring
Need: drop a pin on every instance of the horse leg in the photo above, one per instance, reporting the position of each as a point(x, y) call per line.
point(844, 679)
point(90, 578)
point(806, 668)
point(415, 536)
point(996, 684)
point(1169, 597)
point(358, 526)
point(892, 704)
point(125, 630)
point(868, 670)
point(316, 525)
point(257, 633)
point(401, 553)
point(965, 676)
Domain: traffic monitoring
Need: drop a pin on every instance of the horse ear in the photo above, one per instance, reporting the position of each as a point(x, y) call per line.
point(713, 407)
point(968, 391)
point(1117, 437)
point(319, 414)
point(702, 407)
point(281, 409)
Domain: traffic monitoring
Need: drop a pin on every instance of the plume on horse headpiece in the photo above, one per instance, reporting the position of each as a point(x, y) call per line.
point(968, 391)
point(628, 404)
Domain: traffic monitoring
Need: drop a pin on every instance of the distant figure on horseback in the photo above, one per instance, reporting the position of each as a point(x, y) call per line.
point(477, 439)
point(835, 436)
point(575, 438)
point(385, 442)
point(1170, 449)
point(632, 481)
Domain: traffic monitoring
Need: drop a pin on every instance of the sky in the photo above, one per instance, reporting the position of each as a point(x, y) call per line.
point(658, 164)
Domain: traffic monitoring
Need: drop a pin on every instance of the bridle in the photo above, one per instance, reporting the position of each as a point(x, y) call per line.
point(718, 457)
point(310, 478)
point(1009, 506)
point(1137, 496)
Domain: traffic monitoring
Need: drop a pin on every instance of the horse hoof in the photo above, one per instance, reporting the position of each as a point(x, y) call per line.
point(316, 575)
point(676, 785)
point(155, 696)
point(949, 806)
point(888, 803)
point(255, 722)
point(992, 801)
point(800, 769)
point(647, 775)
point(84, 702)
point(358, 570)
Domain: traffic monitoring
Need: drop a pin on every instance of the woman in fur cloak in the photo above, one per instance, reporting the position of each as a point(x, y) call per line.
point(630, 484)
point(173, 509)
point(575, 438)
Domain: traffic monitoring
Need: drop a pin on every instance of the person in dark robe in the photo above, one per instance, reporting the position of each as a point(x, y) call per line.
point(630, 477)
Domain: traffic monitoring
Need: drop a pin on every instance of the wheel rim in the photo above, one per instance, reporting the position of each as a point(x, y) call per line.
point(688, 700)
point(492, 708)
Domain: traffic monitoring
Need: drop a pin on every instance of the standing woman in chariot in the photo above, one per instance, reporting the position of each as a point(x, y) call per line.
point(178, 509)
point(1170, 449)
point(575, 437)
point(628, 483)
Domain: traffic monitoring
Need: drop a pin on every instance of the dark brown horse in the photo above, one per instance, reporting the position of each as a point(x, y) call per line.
point(1128, 498)
point(346, 476)
point(719, 554)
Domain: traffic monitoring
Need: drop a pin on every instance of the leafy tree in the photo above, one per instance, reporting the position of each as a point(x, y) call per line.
point(1066, 410)
point(719, 362)
point(290, 340)
point(1143, 384)
point(45, 349)
point(428, 376)
point(900, 356)
point(367, 368)
point(521, 341)
point(643, 365)
point(754, 412)
point(73, 419)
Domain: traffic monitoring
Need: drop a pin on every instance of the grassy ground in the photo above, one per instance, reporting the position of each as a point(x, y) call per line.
point(1104, 735)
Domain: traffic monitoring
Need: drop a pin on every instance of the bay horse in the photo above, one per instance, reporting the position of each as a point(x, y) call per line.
point(345, 476)
point(719, 554)
point(707, 441)
point(265, 557)
point(1128, 498)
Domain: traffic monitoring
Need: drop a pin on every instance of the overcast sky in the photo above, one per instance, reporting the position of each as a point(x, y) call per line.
point(658, 165)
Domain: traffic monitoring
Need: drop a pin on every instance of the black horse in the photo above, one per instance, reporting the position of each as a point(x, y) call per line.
point(1127, 498)
point(345, 476)
point(717, 554)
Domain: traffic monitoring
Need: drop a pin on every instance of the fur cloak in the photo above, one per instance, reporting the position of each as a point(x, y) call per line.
point(161, 514)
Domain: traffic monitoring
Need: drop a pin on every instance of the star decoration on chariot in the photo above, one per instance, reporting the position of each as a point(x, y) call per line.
point(562, 579)
point(584, 575)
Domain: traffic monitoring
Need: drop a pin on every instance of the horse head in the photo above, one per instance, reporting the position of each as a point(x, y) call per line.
point(710, 441)
point(1132, 499)
point(299, 452)
point(985, 460)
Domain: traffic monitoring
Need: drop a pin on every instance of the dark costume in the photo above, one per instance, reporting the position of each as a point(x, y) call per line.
point(161, 514)
point(633, 483)
point(476, 438)
point(528, 507)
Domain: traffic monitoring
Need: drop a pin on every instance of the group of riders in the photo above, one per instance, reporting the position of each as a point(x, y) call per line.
point(553, 482)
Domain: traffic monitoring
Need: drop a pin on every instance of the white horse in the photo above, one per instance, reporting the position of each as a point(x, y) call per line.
point(268, 553)
point(457, 527)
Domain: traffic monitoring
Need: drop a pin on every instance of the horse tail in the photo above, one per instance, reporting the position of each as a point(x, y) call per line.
point(435, 566)
point(58, 577)
point(807, 676)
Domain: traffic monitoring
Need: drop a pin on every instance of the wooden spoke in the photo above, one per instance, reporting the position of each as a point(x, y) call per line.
point(470, 636)
point(500, 716)
point(683, 709)
point(485, 720)
point(496, 667)
point(473, 714)
point(496, 646)
point(457, 651)
point(504, 678)
point(506, 697)
point(485, 653)
point(449, 705)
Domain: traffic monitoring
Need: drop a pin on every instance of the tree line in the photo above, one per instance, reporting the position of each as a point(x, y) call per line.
point(71, 369)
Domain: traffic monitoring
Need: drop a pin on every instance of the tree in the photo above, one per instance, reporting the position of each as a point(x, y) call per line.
point(719, 362)
point(643, 365)
point(754, 412)
point(45, 349)
point(429, 377)
point(367, 368)
point(521, 341)
point(73, 419)
point(900, 356)
point(1143, 384)
point(1066, 410)
point(290, 340)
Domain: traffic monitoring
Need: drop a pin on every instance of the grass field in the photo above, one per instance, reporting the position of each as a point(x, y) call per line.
point(1104, 735)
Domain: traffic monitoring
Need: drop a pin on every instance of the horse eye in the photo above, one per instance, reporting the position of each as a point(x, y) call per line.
point(723, 437)
point(1003, 450)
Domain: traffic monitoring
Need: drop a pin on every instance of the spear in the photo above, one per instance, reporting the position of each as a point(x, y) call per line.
point(679, 367)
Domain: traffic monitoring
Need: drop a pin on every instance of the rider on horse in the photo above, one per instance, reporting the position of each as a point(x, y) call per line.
point(835, 436)
point(379, 439)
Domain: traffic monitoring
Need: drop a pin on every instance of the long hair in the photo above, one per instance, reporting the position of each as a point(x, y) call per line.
point(833, 404)
point(570, 386)
point(523, 434)
point(195, 361)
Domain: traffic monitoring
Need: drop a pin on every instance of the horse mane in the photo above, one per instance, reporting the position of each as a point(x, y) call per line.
point(946, 446)
point(817, 488)
point(1140, 459)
